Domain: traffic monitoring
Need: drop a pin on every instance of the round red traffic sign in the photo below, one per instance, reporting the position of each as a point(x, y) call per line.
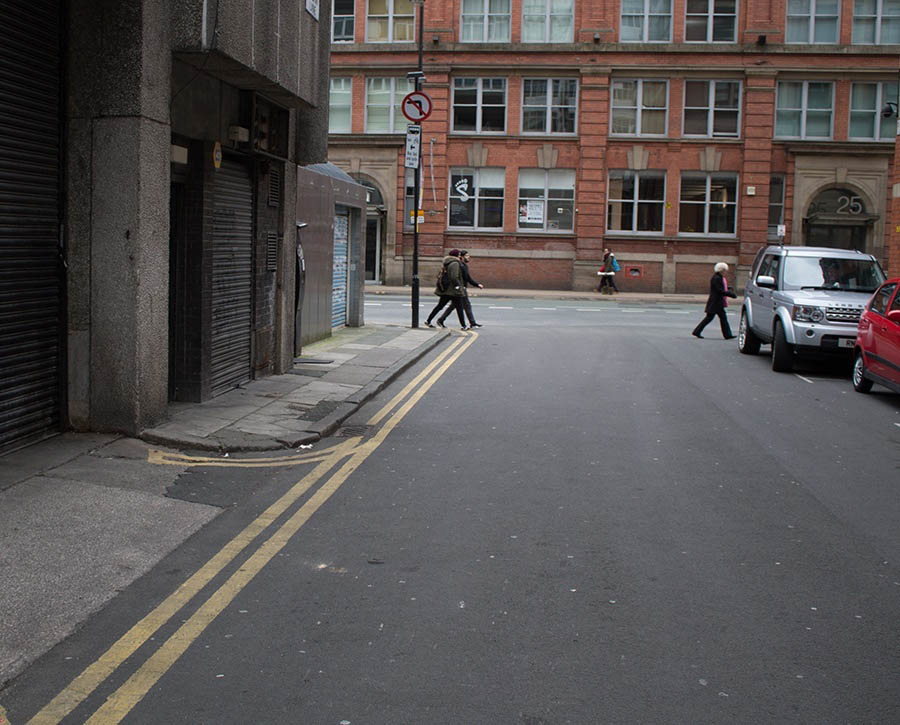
point(416, 106)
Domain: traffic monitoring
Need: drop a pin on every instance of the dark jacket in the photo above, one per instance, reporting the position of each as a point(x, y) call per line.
point(466, 277)
point(454, 269)
point(717, 293)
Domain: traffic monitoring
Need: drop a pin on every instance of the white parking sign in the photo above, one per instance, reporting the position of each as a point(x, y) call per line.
point(413, 138)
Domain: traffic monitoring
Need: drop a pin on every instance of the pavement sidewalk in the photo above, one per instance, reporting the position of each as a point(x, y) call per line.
point(82, 516)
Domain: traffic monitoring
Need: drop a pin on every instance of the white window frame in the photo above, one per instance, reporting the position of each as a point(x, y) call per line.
point(711, 16)
point(812, 18)
point(486, 16)
point(804, 110)
point(638, 107)
point(711, 109)
point(707, 203)
point(398, 92)
point(645, 16)
point(878, 17)
point(335, 17)
point(549, 107)
point(547, 201)
point(479, 105)
point(475, 173)
point(348, 90)
point(636, 201)
point(548, 16)
point(392, 18)
point(881, 98)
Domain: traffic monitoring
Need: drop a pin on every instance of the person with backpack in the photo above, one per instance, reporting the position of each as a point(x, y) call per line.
point(608, 273)
point(467, 280)
point(449, 288)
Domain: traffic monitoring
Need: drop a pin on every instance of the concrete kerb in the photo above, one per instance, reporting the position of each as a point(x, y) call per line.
point(230, 441)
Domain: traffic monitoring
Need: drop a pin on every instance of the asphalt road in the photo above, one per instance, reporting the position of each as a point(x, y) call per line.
point(583, 515)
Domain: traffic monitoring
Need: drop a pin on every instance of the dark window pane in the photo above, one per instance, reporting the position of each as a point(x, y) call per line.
point(493, 119)
point(534, 120)
point(695, 122)
point(462, 213)
point(726, 95)
point(696, 94)
point(564, 92)
point(493, 98)
point(535, 92)
point(619, 217)
point(695, 28)
point(721, 218)
point(490, 212)
point(725, 123)
point(650, 217)
point(693, 189)
point(690, 218)
point(723, 28)
point(651, 188)
point(563, 120)
point(464, 118)
point(343, 7)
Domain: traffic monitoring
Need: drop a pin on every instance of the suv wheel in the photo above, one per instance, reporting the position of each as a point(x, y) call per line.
point(782, 351)
point(748, 342)
point(861, 384)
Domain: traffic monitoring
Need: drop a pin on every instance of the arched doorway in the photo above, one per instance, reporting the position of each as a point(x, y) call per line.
point(839, 218)
point(375, 216)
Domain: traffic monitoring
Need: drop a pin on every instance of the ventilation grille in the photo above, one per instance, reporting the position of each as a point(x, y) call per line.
point(271, 251)
point(274, 187)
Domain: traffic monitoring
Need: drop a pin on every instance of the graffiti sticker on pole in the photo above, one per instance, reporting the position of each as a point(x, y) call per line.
point(416, 106)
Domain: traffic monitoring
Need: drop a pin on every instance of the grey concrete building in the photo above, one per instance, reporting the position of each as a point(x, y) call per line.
point(155, 160)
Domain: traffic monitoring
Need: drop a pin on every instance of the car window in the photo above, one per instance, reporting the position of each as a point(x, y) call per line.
point(880, 299)
point(896, 303)
point(774, 267)
point(756, 260)
point(766, 265)
point(851, 275)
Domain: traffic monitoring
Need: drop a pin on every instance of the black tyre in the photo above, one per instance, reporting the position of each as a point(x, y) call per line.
point(782, 351)
point(861, 384)
point(748, 342)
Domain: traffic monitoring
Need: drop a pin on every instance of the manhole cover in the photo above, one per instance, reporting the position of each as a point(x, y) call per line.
point(353, 430)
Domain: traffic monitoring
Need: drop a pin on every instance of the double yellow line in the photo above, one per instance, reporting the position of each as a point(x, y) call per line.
point(130, 693)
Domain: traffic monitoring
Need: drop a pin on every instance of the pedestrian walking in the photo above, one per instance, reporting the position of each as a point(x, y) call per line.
point(453, 294)
point(467, 280)
point(717, 302)
point(608, 273)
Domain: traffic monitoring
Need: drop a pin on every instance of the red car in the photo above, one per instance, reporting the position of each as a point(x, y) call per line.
point(877, 349)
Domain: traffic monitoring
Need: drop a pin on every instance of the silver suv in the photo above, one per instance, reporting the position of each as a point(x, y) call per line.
point(805, 300)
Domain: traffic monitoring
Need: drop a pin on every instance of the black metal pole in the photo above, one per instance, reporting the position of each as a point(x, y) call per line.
point(416, 187)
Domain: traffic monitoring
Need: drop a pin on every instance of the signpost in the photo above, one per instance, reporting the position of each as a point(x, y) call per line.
point(416, 106)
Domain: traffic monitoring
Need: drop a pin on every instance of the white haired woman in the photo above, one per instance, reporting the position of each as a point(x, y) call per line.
point(717, 302)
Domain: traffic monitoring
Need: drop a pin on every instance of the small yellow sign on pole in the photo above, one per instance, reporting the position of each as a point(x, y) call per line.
point(217, 155)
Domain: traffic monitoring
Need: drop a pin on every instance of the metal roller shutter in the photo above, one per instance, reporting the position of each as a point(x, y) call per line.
point(30, 274)
point(232, 278)
point(339, 284)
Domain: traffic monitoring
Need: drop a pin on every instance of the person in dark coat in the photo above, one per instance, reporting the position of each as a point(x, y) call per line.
point(453, 294)
point(467, 280)
point(717, 302)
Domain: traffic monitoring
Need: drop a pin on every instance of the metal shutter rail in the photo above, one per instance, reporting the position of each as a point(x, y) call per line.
point(30, 278)
point(232, 278)
point(339, 284)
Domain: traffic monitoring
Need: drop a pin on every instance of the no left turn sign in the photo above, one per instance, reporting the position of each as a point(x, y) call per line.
point(416, 106)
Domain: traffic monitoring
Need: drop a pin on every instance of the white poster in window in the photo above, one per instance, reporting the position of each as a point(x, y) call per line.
point(532, 212)
point(312, 7)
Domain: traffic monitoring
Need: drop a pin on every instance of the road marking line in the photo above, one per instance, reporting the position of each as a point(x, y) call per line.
point(117, 706)
point(123, 700)
point(372, 304)
point(165, 458)
point(127, 644)
point(677, 312)
point(494, 307)
point(897, 424)
point(592, 309)
point(377, 418)
point(544, 308)
point(807, 380)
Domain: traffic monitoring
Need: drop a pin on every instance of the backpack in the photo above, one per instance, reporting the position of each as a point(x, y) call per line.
point(442, 283)
point(615, 265)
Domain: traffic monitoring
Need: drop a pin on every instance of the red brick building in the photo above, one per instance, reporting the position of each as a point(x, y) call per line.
point(678, 133)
